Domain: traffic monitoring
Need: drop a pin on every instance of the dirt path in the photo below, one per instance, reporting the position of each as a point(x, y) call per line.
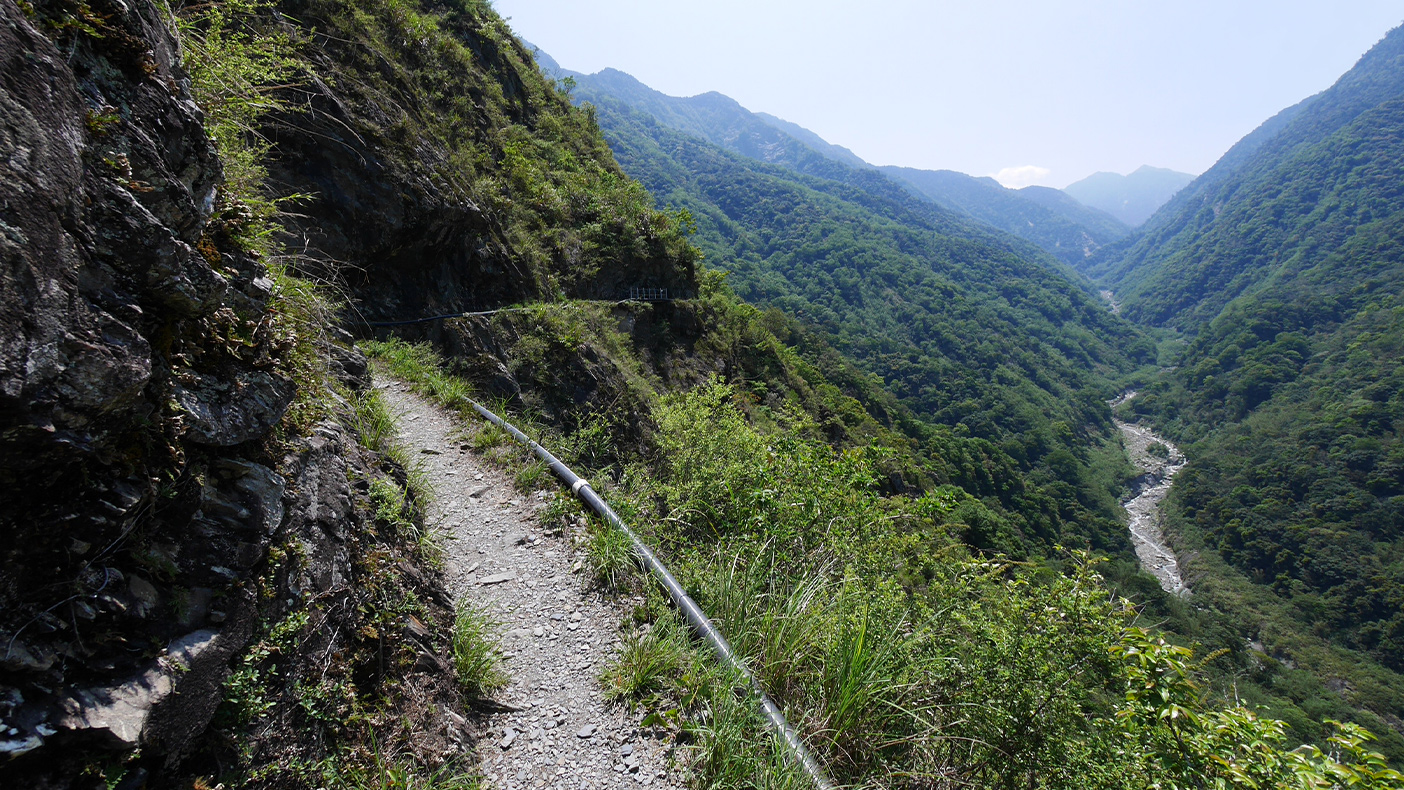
point(557, 634)
point(1143, 508)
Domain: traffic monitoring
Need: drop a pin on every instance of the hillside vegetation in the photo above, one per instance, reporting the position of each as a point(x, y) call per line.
point(967, 333)
point(1286, 197)
point(1283, 265)
point(614, 381)
point(746, 213)
point(901, 657)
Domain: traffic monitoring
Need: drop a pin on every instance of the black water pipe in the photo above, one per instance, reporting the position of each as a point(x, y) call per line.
point(694, 614)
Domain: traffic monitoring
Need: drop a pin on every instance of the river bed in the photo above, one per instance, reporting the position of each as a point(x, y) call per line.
point(1143, 514)
point(1112, 303)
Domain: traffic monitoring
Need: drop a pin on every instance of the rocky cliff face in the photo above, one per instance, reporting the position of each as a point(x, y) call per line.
point(135, 493)
point(451, 175)
point(194, 540)
point(151, 482)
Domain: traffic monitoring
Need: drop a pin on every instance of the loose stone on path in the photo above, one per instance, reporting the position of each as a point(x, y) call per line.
point(557, 633)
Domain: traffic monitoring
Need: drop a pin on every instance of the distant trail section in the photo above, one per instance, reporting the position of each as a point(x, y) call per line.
point(557, 633)
point(1143, 512)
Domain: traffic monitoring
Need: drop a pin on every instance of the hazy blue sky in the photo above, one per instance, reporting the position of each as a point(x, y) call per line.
point(1060, 88)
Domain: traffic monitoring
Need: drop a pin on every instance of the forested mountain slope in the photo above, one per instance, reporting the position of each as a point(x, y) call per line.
point(1063, 227)
point(1284, 198)
point(1284, 265)
point(967, 333)
point(835, 152)
point(431, 200)
point(508, 193)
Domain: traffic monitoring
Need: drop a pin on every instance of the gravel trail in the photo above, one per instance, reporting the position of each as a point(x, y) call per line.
point(557, 633)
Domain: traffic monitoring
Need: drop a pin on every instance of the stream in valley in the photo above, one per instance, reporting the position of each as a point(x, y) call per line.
point(1148, 491)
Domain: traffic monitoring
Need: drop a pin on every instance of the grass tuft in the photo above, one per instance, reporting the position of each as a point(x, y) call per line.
point(651, 664)
point(375, 425)
point(377, 430)
point(422, 368)
point(475, 650)
point(530, 477)
point(611, 556)
point(384, 772)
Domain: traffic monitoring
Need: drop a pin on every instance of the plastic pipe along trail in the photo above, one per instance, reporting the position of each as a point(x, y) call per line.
point(694, 614)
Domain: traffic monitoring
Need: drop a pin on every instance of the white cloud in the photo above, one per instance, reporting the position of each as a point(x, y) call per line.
point(1022, 176)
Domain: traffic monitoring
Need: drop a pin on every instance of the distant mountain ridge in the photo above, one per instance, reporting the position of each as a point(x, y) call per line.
point(1064, 229)
point(1054, 221)
point(1131, 198)
point(835, 152)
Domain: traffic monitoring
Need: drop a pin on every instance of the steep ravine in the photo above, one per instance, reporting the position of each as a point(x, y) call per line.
point(1143, 513)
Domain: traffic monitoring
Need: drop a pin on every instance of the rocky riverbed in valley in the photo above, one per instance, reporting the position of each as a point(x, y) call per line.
point(1143, 508)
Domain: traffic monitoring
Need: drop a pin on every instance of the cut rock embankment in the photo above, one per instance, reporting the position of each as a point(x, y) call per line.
point(556, 730)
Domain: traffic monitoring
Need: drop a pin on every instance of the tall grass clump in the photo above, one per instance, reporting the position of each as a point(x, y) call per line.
point(475, 650)
point(387, 772)
point(375, 425)
point(398, 512)
point(395, 504)
point(649, 670)
point(422, 368)
point(611, 556)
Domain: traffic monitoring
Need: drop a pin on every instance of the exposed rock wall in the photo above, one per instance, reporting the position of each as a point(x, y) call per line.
point(167, 515)
point(144, 479)
point(134, 495)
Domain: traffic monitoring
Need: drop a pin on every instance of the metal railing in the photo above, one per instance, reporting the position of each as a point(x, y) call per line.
point(649, 295)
